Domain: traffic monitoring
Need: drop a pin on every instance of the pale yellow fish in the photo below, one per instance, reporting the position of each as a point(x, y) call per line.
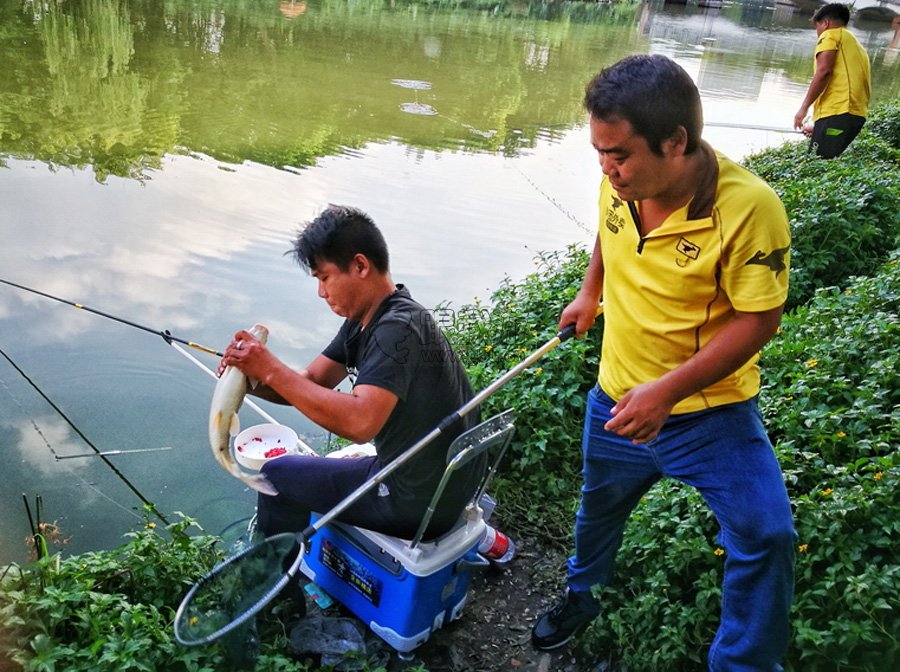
point(227, 398)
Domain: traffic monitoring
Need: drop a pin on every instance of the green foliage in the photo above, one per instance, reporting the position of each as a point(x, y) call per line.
point(112, 611)
point(884, 123)
point(663, 608)
point(844, 213)
point(831, 377)
point(548, 397)
point(833, 401)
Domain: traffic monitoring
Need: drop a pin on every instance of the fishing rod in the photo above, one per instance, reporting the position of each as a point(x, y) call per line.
point(150, 506)
point(165, 335)
point(114, 452)
point(750, 127)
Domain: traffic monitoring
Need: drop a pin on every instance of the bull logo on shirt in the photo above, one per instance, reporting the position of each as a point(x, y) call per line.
point(773, 260)
point(689, 250)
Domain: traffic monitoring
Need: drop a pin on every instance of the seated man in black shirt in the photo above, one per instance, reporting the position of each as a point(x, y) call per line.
point(406, 380)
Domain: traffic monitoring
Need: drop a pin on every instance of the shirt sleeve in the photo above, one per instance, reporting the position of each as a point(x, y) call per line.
point(757, 261)
point(828, 41)
point(336, 350)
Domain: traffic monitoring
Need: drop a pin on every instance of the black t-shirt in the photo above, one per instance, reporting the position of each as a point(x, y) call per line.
point(402, 350)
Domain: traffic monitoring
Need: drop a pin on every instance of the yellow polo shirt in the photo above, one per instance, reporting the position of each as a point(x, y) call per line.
point(849, 88)
point(667, 294)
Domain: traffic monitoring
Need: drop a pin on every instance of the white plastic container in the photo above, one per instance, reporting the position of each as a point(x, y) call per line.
point(256, 445)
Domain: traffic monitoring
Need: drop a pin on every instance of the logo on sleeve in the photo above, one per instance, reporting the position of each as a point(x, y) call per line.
point(773, 260)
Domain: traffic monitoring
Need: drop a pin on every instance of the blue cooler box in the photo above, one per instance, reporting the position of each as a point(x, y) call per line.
point(402, 594)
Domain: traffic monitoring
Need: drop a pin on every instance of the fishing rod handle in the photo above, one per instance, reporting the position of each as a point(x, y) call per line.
point(570, 330)
point(566, 333)
point(451, 419)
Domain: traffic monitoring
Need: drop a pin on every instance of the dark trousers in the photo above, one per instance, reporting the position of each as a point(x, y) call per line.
point(725, 454)
point(832, 135)
point(308, 483)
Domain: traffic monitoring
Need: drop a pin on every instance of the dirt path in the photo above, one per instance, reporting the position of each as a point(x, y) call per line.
point(494, 632)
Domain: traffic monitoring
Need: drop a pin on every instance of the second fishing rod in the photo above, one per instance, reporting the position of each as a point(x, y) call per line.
point(164, 334)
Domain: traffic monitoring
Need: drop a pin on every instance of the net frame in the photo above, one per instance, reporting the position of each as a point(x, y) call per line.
point(228, 565)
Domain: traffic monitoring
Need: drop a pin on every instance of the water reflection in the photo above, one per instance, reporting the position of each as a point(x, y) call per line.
point(117, 86)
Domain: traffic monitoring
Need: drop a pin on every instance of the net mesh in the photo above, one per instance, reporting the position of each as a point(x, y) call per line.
point(234, 591)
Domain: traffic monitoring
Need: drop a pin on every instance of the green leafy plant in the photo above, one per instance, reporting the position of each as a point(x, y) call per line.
point(112, 611)
point(844, 213)
point(884, 123)
point(833, 401)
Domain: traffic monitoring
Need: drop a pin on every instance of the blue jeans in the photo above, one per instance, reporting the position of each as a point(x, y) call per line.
point(724, 453)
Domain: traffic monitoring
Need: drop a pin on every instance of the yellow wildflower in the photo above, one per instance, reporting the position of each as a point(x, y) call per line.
point(811, 363)
point(538, 371)
point(841, 435)
point(718, 551)
point(151, 526)
point(827, 491)
point(802, 548)
point(877, 476)
point(488, 348)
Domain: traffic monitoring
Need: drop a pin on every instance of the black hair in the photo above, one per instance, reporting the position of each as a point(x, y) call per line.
point(337, 235)
point(652, 93)
point(835, 11)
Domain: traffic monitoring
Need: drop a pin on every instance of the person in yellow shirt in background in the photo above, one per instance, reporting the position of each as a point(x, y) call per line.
point(841, 85)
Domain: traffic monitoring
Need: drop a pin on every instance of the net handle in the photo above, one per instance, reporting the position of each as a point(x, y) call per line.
point(563, 335)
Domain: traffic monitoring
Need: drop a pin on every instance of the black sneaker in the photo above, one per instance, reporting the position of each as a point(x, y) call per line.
point(558, 625)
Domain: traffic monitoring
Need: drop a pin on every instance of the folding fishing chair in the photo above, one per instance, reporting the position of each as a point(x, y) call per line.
point(406, 589)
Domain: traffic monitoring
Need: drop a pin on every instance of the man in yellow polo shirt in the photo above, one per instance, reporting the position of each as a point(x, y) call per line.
point(841, 85)
point(691, 263)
